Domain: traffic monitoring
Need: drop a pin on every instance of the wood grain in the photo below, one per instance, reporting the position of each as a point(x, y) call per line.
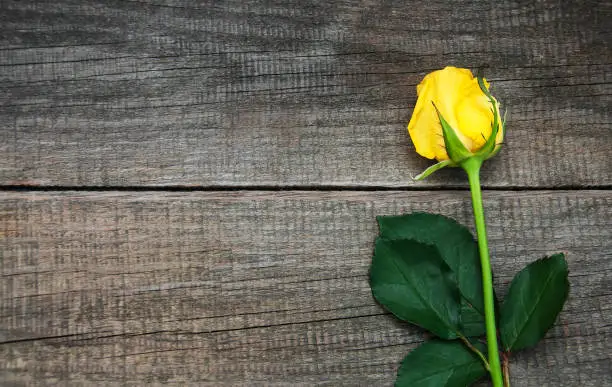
point(292, 93)
point(265, 288)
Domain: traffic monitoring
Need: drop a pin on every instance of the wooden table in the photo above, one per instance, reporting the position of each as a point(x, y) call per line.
point(189, 188)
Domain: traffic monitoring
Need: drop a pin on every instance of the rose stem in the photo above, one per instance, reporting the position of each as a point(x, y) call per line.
point(472, 168)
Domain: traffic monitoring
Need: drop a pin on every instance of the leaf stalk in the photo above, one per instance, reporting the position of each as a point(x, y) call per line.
point(475, 350)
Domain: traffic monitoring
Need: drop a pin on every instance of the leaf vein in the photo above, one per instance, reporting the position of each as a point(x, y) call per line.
point(423, 302)
point(534, 308)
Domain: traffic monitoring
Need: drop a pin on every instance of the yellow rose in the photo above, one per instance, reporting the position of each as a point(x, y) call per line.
point(463, 104)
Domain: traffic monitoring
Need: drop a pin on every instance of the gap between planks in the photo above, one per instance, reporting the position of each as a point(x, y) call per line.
point(298, 188)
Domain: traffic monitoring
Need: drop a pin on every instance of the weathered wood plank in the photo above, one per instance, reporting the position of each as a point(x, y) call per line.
point(306, 93)
point(236, 288)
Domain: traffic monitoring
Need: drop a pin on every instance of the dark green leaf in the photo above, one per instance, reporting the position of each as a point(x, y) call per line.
point(413, 282)
point(535, 299)
point(471, 321)
point(458, 249)
point(441, 364)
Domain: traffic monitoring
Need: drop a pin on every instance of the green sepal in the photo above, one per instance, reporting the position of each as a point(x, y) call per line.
point(441, 363)
point(433, 168)
point(488, 150)
point(455, 149)
point(503, 130)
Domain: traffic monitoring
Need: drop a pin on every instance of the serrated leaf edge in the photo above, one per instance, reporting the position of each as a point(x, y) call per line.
point(380, 230)
point(451, 368)
point(548, 279)
point(421, 299)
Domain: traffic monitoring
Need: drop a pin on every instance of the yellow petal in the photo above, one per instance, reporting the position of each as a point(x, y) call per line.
point(474, 116)
point(463, 105)
point(424, 126)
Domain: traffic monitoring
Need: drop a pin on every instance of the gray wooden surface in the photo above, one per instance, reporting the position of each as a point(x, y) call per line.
point(299, 93)
point(188, 189)
point(254, 287)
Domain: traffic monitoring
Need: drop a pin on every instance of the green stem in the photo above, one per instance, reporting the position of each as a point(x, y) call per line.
point(472, 167)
